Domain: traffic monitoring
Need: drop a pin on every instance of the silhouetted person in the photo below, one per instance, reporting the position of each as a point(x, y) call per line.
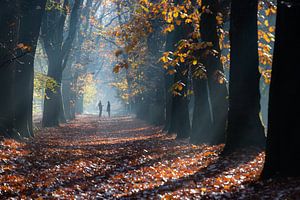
point(100, 108)
point(108, 108)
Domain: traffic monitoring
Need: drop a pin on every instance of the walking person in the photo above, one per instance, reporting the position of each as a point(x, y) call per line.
point(100, 108)
point(108, 108)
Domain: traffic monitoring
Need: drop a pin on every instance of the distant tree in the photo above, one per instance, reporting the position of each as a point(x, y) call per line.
point(244, 124)
point(155, 74)
point(72, 98)
point(283, 139)
point(83, 35)
point(57, 44)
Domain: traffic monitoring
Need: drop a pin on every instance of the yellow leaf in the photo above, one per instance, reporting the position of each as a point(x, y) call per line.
point(183, 15)
point(266, 23)
point(187, 21)
point(175, 14)
point(266, 38)
point(268, 12)
point(219, 20)
point(164, 59)
point(271, 29)
point(145, 9)
point(169, 28)
point(180, 87)
point(182, 59)
point(169, 20)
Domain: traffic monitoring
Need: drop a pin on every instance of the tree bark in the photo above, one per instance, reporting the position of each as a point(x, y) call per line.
point(169, 79)
point(156, 75)
point(283, 152)
point(202, 123)
point(180, 120)
point(9, 23)
point(244, 125)
point(18, 28)
point(217, 91)
point(67, 91)
point(211, 105)
point(53, 33)
point(28, 35)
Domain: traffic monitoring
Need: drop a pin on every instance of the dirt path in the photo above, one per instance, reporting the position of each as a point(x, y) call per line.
point(124, 158)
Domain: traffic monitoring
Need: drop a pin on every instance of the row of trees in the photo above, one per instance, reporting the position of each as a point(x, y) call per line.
point(194, 70)
point(193, 65)
point(188, 83)
point(62, 31)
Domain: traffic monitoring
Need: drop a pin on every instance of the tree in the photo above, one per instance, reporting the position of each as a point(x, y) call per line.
point(30, 24)
point(282, 152)
point(57, 46)
point(180, 120)
point(154, 95)
point(169, 78)
point(244, 125)
point(215, 72)
point(71, 98)
point(210, 109)
point(8, 43)
point(20, 25)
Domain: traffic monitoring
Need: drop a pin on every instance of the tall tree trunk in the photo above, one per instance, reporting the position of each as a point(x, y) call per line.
point(210, 109)
point(283, 152)
point(217, 90)
point(53, 33)
point(76, 100)
point(66, 91)
point(9, 23)
point(53, 97)
point(29, 33)
point(79, 104)
point(156, 75)
point(244, 125)
point(169, 79)
point(202, 123)
point(180, 120)
point(18, 28)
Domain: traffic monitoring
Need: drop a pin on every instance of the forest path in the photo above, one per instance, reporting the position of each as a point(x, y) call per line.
point(126, 158)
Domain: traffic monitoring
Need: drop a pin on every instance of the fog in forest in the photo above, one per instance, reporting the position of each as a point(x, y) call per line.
point(149, 99)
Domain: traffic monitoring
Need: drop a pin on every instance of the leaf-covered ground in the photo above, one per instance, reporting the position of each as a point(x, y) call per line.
point(123, 158)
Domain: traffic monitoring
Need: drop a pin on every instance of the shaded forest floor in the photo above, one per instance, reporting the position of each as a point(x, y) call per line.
point(125, 158)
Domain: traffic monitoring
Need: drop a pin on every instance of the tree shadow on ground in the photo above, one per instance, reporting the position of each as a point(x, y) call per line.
point(279, 188)
point(57, 152)
point(213, 170)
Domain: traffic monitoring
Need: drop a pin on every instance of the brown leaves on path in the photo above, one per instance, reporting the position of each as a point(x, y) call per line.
point(124, 158)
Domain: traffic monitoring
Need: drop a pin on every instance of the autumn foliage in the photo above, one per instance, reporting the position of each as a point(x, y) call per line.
point(126, 158)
